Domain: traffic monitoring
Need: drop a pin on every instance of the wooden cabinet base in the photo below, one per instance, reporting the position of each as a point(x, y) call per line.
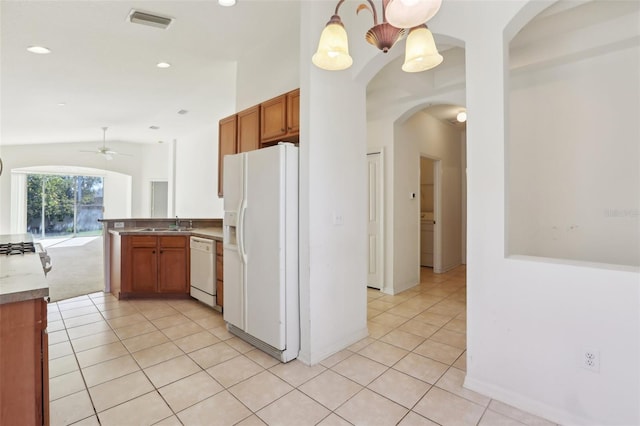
point(24, 360)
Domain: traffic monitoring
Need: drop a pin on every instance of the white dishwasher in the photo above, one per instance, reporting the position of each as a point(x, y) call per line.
point(203, 270)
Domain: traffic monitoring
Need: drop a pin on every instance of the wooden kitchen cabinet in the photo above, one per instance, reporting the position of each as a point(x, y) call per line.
point(173, 264)
point(275, 120)
point(152, 265)
point(143, 263)
point(24, 363)
point(248, 125)
point(227, 144)
point(293, 112)
point(219, 275)
point(280, 118)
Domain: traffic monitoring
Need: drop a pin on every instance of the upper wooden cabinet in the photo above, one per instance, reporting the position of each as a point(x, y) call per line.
point(275, 120)
point(249, 129)
point(280, 118)
point(293, 112)
point(227, 132)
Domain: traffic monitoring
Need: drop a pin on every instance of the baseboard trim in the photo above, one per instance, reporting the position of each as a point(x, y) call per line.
point(524, 403)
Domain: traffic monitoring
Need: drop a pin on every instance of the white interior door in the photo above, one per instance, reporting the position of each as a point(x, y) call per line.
point(375, 228)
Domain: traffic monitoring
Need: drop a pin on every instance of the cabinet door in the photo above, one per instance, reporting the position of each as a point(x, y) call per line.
point(226, 144)
point(23, 363)
point(144, 269)
point(173, 266)
point(249, 129)
point(293, 112)
point(172, 275)
point(273, 119)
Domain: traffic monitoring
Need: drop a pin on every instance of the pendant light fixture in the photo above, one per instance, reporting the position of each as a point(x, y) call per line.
point(421, 54)
point(411, 13)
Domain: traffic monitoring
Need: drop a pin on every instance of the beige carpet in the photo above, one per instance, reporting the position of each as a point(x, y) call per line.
point(77, 267)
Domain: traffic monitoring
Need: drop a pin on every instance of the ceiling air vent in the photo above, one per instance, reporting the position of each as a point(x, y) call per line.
point(143, 18)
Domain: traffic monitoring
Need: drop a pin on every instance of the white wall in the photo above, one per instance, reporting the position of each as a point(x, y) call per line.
point(406, 217)
point(333, 182)
point(68, 154)
point(530, 321)
point(443, 141)
point(269, 71)
point(574, 170)
point(196, 183)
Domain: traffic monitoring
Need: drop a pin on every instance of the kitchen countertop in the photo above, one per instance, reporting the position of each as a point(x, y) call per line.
point(214, 233)
point(21, 275)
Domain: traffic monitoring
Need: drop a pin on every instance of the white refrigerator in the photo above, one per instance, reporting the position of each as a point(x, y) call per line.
point(260, 242)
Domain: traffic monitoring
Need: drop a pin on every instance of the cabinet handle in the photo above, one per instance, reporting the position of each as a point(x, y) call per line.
point(281, 129)
point(153, 252)
point(161, 251)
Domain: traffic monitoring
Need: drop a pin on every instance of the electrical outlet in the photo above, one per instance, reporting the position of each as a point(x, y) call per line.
point(591, 360)
point(118, 225)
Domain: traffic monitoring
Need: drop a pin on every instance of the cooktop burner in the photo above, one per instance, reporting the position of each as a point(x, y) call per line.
point(17, 248)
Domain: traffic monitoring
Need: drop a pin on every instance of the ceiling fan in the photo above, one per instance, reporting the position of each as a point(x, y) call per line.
point(107, 152)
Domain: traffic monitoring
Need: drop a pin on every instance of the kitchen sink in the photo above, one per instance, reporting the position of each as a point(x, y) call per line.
point(164, 229)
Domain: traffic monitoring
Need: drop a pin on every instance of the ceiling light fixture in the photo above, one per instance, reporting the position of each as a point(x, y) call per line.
point(461, 117)
point(227, 3)
point(39, 50)
point(409, 17)
point(163, 65)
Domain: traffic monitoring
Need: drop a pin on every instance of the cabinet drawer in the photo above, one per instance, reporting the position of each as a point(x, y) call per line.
point(177, 241)
point(143, 241)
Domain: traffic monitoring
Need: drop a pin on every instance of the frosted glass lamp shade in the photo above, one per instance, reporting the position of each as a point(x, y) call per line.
point(333, 47)
point(421, 53)
point(411, 13)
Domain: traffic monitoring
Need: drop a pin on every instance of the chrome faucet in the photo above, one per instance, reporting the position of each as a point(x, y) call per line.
point(177, 222)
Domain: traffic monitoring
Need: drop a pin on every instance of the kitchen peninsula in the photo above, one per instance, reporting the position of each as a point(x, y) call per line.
point(24, 373)
point(150, 258)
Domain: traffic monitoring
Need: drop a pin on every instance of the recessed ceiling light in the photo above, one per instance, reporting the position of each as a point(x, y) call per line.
point(163, 65)
point(227, 2)
point(183, 112)
point(160, 141)
point(61, 104)
point(154, 127)
point(40, 50)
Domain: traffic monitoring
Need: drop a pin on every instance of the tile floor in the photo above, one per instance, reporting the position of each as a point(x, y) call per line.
point(173, 362)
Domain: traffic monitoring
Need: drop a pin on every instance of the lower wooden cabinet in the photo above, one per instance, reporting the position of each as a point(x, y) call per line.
point(151, 265)
point(24, 363)
point(219, 276)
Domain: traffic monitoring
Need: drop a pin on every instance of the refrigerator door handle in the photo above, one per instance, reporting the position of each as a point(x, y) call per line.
point(241, 250)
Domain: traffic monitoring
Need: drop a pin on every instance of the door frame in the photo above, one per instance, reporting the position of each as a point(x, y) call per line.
point(381, 226)
point(437, 211)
